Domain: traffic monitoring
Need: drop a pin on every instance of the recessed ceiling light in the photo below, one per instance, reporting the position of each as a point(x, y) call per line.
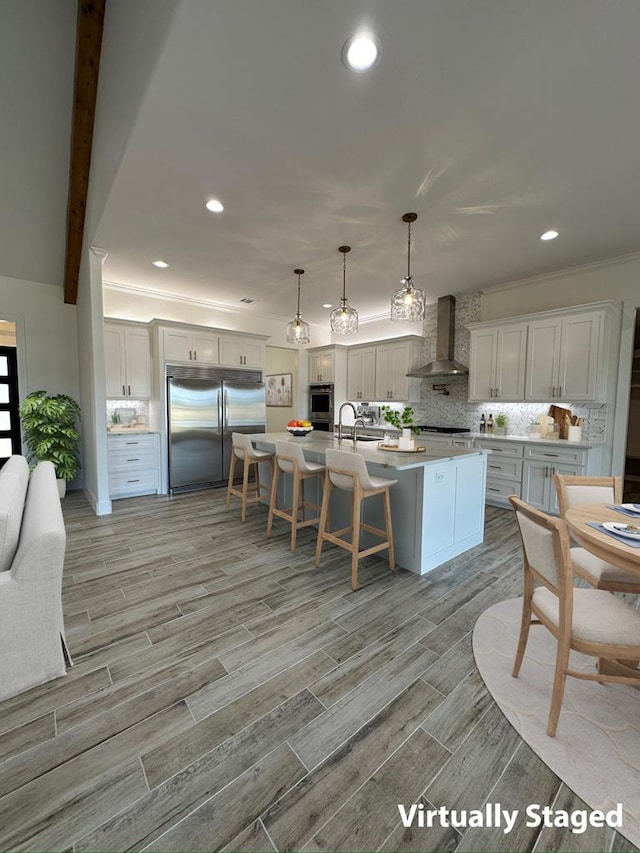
point(161, 264)
point(549, 235)
point(214, 205)
point(360, 52)
point(327, 305)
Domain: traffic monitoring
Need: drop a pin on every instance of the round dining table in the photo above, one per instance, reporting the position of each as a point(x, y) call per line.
point(613, 549)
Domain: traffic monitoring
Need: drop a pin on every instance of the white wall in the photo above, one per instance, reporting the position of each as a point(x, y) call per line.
point(50, 345)
point(279, 360)
point(127, 303)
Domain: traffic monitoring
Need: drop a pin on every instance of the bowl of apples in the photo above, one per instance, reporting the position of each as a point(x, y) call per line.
point(299, 428)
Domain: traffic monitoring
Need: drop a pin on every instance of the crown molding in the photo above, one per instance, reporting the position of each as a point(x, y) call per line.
point(521, 282)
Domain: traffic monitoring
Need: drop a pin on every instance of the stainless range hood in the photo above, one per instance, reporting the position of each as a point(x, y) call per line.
point(445, 364)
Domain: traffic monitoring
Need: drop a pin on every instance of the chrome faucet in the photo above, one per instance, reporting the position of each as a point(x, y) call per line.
point(340, 417)
point(359, 422)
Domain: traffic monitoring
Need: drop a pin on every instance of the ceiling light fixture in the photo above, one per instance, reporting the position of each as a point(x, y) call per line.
point(214, 206)
point(160, 264)
point(549, 235)
point(407, 303)
point(360, 52)
point(297, 329)
point(344, 320)
point(327, 304)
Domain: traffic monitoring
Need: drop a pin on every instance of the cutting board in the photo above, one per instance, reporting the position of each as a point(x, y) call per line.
point(559, 416)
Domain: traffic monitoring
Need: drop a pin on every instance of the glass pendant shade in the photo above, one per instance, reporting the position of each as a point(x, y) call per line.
point(344, 320)
point(408, 303)
point(297, 329)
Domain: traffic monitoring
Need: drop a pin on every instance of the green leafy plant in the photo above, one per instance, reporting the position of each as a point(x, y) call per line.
point(50, 433)
point(500, 420)
point(400, 420)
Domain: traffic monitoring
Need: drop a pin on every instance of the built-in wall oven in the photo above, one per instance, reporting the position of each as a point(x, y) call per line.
point(321, 407)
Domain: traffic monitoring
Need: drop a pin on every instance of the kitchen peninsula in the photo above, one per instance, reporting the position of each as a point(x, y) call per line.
point(437, 505)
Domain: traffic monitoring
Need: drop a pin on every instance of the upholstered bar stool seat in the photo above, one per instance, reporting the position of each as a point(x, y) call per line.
point(250, 492)
point(347, 470)
point(290, 459)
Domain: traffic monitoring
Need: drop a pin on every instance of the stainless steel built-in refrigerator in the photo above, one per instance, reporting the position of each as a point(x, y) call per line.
point(204, 408)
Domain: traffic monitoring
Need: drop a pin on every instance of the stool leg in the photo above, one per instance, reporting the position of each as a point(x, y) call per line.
point(232, 469)
point(387, 521)
point(258, 492)
point(295, 499)
point(273, 502)
point(245, 485)
point(302, 501)
point(355, 535)
point(323, 516)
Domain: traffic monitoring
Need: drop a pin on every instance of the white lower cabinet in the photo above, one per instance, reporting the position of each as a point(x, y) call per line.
point(526, 470)
point(504, 470)
point(134, 465)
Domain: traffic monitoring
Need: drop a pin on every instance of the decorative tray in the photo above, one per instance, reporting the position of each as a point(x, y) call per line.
point(397, 449)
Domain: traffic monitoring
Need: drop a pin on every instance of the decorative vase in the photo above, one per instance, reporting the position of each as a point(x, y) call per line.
point(406, 432)
point(62, 487)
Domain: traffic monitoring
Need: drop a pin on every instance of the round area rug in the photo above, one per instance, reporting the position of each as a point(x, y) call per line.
point(596, 750)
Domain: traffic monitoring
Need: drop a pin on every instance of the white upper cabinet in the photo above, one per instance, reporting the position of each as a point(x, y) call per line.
point(568, 355)
point(393, 361)
point(361, 373)
point(563, 358)
point(127, 355)
point(242, 351)
point(190, 345)
point(497, 363)
point(321, 365)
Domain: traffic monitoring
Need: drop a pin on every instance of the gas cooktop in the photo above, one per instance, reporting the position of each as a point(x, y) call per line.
point(446, 430)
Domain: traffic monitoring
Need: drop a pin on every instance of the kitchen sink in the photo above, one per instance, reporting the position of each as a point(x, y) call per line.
point(360, 437)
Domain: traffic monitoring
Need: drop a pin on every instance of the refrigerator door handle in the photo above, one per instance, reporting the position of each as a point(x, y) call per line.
point(226, 410)
point(220, 424)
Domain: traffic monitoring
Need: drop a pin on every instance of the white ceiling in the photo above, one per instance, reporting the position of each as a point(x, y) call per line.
point(493, 120)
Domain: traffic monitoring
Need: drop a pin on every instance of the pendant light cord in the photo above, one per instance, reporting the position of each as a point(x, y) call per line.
point(344, 278)
point(409, 254)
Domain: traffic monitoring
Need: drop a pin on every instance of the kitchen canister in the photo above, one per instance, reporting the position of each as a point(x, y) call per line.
point(574, 433)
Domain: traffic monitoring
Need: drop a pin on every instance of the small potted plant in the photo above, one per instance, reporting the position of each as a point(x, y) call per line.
point(500, 424)
point(50, 433)
point(400, 420)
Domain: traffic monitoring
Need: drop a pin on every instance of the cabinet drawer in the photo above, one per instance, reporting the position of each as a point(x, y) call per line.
point(558, 455)
point(129, 442)
point(501, 488)
point(133, 459)
point(501, 448)
point(133, 483)
point(504, 468)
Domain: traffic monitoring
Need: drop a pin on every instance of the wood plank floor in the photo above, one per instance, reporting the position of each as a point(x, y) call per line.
point(226, 694)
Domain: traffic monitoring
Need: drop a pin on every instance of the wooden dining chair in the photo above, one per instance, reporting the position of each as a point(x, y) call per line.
point(588, 620)
point(573, 491)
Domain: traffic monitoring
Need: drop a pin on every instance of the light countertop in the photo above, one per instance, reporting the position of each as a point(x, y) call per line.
point(317, 443)
point(131, 431)
point(529, 439)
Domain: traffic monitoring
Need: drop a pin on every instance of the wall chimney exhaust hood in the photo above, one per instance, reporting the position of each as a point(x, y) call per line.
point(445, 364)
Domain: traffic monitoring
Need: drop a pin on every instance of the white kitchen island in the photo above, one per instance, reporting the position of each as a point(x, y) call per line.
point(437, 505)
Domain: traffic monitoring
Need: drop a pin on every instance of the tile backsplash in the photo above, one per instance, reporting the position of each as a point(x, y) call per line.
point(141, 408)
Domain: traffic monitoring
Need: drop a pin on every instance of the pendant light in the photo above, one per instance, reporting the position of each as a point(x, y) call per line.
point(407, 303)
point(297, 329)
point(344, 320)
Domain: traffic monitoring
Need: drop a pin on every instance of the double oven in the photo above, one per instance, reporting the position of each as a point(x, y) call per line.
point(321, 412)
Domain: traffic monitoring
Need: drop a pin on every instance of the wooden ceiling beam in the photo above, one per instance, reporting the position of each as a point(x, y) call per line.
point(88, 44)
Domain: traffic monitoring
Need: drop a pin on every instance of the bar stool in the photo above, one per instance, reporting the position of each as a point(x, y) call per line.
point(347, 470)
point(243, 449)
point(290, 459)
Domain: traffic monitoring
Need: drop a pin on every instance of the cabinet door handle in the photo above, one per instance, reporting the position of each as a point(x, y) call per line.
point(133, 460)
point(497, 393)
point(129, 387)
point(560, 391)
point(491, 489)
point(133, 481)
point(553, 390)
point(132, 442)
point(190, 356)
point(195, 355)
point(123, 391)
